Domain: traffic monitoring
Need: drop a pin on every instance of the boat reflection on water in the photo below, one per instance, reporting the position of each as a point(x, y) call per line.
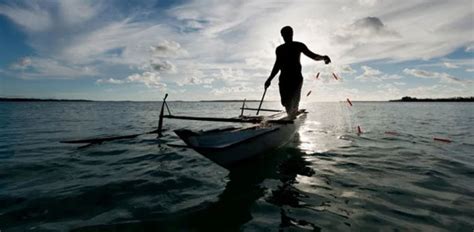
point(233, 208)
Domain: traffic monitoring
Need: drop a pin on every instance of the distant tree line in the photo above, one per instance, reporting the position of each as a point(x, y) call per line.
point(4, 99)
point(452, 99)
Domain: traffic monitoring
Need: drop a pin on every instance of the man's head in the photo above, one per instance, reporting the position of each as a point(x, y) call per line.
point(287, 34)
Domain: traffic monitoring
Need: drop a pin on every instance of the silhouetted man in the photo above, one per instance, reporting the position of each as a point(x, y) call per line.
point(288, 63)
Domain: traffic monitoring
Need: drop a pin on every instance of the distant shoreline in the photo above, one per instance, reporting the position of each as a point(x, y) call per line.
point(4, 99)
point(17, 99)
point(403, 99)
point(452, 99)
point(229, 101)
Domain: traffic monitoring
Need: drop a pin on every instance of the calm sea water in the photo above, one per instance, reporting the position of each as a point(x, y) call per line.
point(328, 178)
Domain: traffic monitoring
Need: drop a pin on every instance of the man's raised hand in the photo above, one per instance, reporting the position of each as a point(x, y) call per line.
point(267, 83)
point(327, 60)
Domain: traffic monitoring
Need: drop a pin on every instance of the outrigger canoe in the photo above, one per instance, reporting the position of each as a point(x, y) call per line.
point(230, 146)
point(226, 146)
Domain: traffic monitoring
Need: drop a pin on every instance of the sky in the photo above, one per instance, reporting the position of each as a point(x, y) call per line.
point(212, 49)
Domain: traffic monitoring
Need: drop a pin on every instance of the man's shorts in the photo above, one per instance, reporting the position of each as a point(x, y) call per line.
point(290, 93)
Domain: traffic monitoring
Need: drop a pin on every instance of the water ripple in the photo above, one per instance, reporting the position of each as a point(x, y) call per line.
point(329, 178)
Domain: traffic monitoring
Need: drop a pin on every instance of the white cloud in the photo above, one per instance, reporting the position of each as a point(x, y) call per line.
point(347, 69)
point(420, 73)
point(365, 30)
point(255, 27)
point(450, 65)
point(167, 48)
point(45, 68)
point(22, 64)
point(443, 77)
point(149, 79)
point(110, 81)
point(162, 65)
point(122, 42)
point(470, 48)
point(230, 91)
point(193, 76)
point(233, 42)
point(193, 80)
point(388, 91)
point(31, 16)
point(79, 11)
point(232, 75)
point(371, 74)
point(399, 83)
point(368, 71)
point(368, 2)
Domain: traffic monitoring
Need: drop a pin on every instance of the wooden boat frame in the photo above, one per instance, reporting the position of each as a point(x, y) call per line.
point(234, 145)
point(240, 119)
point(261, 123)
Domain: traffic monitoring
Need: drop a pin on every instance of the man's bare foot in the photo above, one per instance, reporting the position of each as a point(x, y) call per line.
point(292, 114)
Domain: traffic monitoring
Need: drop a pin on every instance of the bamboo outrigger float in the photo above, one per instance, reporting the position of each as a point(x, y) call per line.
point(229, 146)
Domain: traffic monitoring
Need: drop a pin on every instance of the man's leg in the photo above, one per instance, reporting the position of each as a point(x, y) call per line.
point(285, 96)
point(290, 97)
point(292, 109)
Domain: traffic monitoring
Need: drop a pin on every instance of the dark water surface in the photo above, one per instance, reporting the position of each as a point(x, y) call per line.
point(326, 179)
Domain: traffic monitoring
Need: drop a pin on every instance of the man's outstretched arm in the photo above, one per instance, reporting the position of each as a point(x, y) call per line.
point(275, 69)
point(315, 56)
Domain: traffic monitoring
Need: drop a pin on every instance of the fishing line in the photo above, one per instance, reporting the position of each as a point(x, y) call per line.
point(348, 114)
point(347, 111)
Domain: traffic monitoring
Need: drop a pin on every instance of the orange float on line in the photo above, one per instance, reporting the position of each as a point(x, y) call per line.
point(349, 101)
point(442, 140)
point(334, 75)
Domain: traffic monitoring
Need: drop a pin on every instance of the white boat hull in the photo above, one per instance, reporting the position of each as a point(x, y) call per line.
point(229, 147)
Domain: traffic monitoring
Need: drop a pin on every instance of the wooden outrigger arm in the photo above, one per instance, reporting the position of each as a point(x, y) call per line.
point(242, 108)
point(241, 119)
point(268, 110)
point(236, 120)
point(160, 121)
point(159, 130)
